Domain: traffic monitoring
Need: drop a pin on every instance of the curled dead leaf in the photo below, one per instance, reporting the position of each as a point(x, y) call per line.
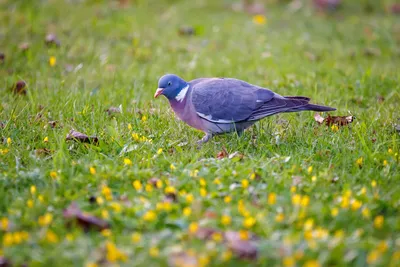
point(187, 31)
point(84, 220)
point(42, 152)
point(222, 154)
point(244, 249)
point(206, 233)
point(77, 136)
point(296, 180)
point(24, 46)
point(113, 110)
point(337, 120)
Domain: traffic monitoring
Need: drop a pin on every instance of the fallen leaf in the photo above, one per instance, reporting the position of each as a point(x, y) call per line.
point(244, 249)
point(77, 136)
point(53, 124)
point(380, 99)
point(41, 152)
point(330, 120)
point(52, 40)
point(370, 51)
point(205, 233)
point(4, 262)
point(171, 197)
point(296, 180)
point(210, 214)
point(182, 259)
point(186, 31)
point(153, 181)
point(84, 220)
point(19, 88)
point(24, 46)
point(222, 154)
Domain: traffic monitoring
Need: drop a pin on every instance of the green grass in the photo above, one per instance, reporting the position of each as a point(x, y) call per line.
point(121, 53)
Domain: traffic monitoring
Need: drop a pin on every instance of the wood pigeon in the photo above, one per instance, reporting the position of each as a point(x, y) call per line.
point(221, 105)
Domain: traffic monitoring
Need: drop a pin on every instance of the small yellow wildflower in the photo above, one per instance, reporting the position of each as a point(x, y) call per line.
point(385, 162)
point(314, 178)
point(366, 213)
point(203, 192)
point(106, 232)
point(279, 217)
point(187, 211)
point(217, 181)
point(202, 182)
point(159, 151)
point(289, 261)
point(334, 212)
point(154, 252)
point(345, 202)
point(149, 216)
point(334, 128)
point(91, 264)
point(378, 221)
point(189, 198)
point(382, 246)
point(4, 224)
point(271, 198)
point(136, 237)
point(127, 162)
point(106, 191)
point(51, 237)
point(172, 167)
point(114, 254)
point(92, 170)
point(253, 176)
point(135, 136)
point(217, 237)
point(148, 188)
point(259, 20)
point(373, 256)
point(9, 141)
point(305, 201)
point(356, 204)
point(116, 207)
point(245, 183)
point(310, 169)
point(227, 199)
point(359, 162)
point(105, 214)
point(296, 199)
point(311, 263)
point(193, 227)
point(244, 235)
point(45, 219)
point(45, 140)
point(308, 225)
point(363, 190)
point(8, 239)
point(53, 174)
point(144, 118)
point(249, 222)
point(29, 203)
point(4, 151)
point(226, 255)
point(137, 185)
point(373, 183)
point(226, 220)
point(130, 127)
point(390, 151)
point(100, 200)
point(293, 189)
point(33, 189)
point(52, 61)
point(170, 190)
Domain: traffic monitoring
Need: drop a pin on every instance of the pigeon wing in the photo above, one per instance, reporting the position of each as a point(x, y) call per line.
point(225, 100)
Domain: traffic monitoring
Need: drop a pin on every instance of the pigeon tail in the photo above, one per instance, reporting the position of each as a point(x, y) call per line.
point(314, 107)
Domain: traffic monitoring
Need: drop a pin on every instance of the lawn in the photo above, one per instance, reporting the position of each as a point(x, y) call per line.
point(288, 192)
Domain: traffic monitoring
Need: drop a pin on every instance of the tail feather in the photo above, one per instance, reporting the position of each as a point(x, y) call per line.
point(314, 107)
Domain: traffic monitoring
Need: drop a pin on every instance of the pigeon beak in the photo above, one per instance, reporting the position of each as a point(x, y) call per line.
point(158, 92)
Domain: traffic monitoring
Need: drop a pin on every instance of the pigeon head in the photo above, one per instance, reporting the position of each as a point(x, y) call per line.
point(172, 87)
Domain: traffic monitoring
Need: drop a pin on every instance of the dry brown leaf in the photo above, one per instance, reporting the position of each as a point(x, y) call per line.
point(244, 249)
point(84, 220)
point(52, 40)
point(77, 136)
point(19, 88)
point(24, 46)
point(205, 233)
point(181, 259)
point(41, 152)
point(186, 31)
point(53, 124)
point(371, 51)
point(113, 110)
point(296, 180)
point(318, 118)
point(222, 154)
point(330, 120)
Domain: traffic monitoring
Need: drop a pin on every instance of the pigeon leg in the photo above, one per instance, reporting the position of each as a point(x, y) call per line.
point(205, 139)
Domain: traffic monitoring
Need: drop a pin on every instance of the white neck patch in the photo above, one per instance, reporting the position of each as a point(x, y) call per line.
point(182, 93)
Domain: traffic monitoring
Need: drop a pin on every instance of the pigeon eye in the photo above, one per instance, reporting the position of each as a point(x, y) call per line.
point(169, 83)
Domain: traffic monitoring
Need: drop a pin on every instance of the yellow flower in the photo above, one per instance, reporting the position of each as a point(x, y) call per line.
point(8, 239)
point(334, 212)
point(373, 256)
point(135, 136)
point(92, 170)
point(202, 182)
point(189, 198)
point(130, 127)
point(159, 151)
point(308, 225)
point(9, 141)
point(45, 219)
point(91, 264)
point(159, 184)
point(279, 217)
point(345, 202)
point(366, 213)
point(105, 214)
point(363, 190)
point(244, 235)
point(137, 185)
point(259, 20)
point(194, 173)
point(217, 237)
point(148, 188)
point(144, 118)
point(116, 206)
point(203, 192)
point(293, 189)
point(334, 128)
point(29, 203)
point(227, 199)
point(187, 211)
point(249, 222)
point(150, 216)
point(4, 151)
point(378, 221)
point(217, 181)
point(154, 252)
point(33, 189)
point(314, 178)
point(309, 170)
point(359, 162)
point(100, 200)
point(114, 254)
point(226, 220)
point(52, 61)
point(373, 183)
point(356, 204)
point(106, 232)
point(136, 237)
point(288, 261)
point(311, 263)
point(127, 162)
point(305, 200)
point(382, 247)
point(271, 198)
point(53, 174)
point(51, 237)
point(245, 183)
point(253, 176)
point(41, 198)
point(4, 224)
point(45, 140)
point(170, 190)
point(172, 167)
point(385, 162)
point(296, 199)
point(106, 191)
point(193, 227)
point(226, 255)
